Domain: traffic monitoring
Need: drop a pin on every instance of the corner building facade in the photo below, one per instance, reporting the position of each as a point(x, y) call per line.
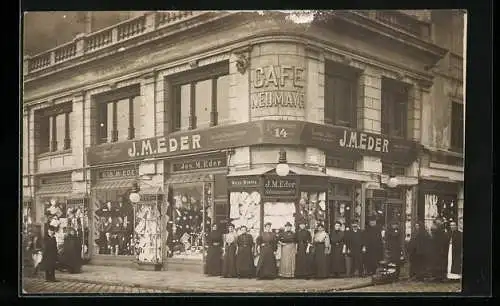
point(197, 124)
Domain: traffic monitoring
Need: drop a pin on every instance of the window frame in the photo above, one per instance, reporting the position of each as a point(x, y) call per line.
point(351, 77)
point(191, 78)
point(102, 102)
point(395, 90)
point(47, 116)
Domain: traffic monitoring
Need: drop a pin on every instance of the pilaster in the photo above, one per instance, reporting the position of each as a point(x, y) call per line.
point(147, 108)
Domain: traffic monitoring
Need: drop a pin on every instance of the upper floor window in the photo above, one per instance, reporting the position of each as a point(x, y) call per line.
point(395, 98)
point(200, 98)
point(340, 95)
point(457, 127)
point(53, 128)
point(118, 115)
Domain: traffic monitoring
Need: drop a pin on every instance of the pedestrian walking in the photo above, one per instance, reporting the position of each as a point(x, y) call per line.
point(266, 248)
point(50, 255)
point(373, 246)
point(337, 262)
point(72, 250)
point(454, 267)
point(418, 251)
point(394, 245)
point(229, 266)
point(213, 265)
point(321, 251)
point(354, 246)
point(303, 261)
point(288, 244)
point(438, 252)
point(244, 254)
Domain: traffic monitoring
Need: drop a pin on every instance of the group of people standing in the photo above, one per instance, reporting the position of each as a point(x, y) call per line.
point(353, 252)
point(298, 254)
point(436, 255)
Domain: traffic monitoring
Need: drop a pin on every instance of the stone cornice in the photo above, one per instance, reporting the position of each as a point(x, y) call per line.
point(308, 40)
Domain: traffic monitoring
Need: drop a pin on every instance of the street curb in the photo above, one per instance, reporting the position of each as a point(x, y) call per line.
point(177, 290)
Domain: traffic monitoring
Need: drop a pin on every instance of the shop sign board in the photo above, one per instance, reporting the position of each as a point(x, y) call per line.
point(338, 140)
point(199, 163)
point(280, 187)
point(117, 173)
point(243, 182)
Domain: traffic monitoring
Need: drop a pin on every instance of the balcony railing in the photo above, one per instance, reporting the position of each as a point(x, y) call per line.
point(92, 42)
point(401, 21)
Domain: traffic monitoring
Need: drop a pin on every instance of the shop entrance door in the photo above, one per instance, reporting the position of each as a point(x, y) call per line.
point(387, 210)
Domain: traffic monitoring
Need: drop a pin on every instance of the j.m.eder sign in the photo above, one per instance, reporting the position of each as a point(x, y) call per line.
point(331, 139)
point(278, 86)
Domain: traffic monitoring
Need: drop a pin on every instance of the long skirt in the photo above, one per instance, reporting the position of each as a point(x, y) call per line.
point(449, 268)
point(321, 263)
point(214, 261)
point(229, 267)
point(245, 263)
point(337, 261)
point(266, 266)
point(303, 262)
point(287, 262)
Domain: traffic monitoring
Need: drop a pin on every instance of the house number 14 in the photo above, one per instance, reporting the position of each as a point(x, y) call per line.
point(280, 133)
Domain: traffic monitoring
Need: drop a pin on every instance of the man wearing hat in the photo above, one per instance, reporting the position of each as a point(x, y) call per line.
point(373, 246)
point(354, 246)
point(50, 255)
point(288, 244)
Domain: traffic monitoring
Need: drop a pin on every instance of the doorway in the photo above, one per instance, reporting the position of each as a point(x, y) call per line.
point(385, 211)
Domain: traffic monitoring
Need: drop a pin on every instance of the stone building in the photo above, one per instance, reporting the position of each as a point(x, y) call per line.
point(194, 109)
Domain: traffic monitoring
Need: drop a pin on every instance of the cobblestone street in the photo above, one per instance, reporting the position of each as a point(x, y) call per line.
point(32, 285)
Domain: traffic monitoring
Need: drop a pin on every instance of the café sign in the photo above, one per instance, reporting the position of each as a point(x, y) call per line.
point(336, 140)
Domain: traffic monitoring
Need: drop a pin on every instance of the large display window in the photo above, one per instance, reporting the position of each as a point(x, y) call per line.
point(189, 214)
point(114, 223)
point(312, 208)
point(77, 214)
point(147, 231)
point(245, 210)
point(55, 215)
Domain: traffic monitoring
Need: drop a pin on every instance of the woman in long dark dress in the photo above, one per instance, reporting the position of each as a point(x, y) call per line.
point(213, 265)
point(288, 244)
point(394, 245)
point(267, 245)
point(321, 245)
point(337, 262)
point(72, 258)
point(438, 250)
point(229, 267)
point(244, 254)
point(417, 251)
point(303, 267)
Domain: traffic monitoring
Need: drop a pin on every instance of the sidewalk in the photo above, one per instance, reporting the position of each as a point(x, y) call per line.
point(189, 282)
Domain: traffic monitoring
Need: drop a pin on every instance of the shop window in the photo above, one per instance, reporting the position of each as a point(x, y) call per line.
point(340, 205)
point(395, 98)
point(53, 128)
point(442, 206)
point(200, 98)
point(190, 217)
point(78, 218)
point(312, 208)
point(114, 221)
point(28, 215)
point(245, 210)
point(55, 215)
point(279, 213)
point(457, 127)
point(340, 96)
point(118, 115)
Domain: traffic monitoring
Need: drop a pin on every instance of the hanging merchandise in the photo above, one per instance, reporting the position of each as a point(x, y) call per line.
point(147, 232)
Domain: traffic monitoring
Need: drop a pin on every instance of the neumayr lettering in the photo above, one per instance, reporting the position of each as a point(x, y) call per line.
point(163, 145)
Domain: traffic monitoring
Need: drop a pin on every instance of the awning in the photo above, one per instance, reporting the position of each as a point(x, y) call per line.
point(55, 189)
point(77, 196)
point(189, 178)
point(256, 171)
point(151, 191)
point(303, 171)
point(115, 184)
point(349, 175)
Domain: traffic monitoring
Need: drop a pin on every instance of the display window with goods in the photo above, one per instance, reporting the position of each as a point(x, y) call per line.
point(190, 217)
point(147, 231)
point(245, 210)
point(55, 216)
point(114, 224)
point(312, 208)
point(78, 218)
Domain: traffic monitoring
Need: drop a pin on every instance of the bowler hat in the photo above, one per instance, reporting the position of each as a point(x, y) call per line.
point(288, 224)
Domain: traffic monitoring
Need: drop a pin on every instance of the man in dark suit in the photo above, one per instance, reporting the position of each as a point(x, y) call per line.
point(373, 246)
point(354, 245)
point(50, 255)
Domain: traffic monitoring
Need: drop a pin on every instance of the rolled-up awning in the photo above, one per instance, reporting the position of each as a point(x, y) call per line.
point(114, 184)
point(55, 189)
point(151, 191)
point(189, 178)
point(304, 171)
point(256, 171)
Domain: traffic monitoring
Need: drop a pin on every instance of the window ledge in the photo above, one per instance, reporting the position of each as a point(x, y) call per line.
point(47, 154)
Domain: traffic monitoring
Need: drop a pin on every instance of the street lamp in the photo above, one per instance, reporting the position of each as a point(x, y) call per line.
point(282, 168)
point(393, 182)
